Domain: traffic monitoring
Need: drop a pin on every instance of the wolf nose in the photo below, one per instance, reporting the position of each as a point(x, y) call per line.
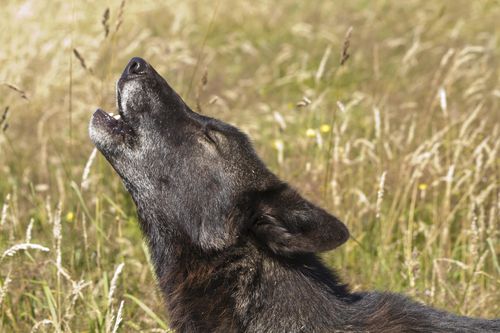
point(137, 65)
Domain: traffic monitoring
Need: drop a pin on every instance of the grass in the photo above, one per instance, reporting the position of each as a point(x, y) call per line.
point(402, 142)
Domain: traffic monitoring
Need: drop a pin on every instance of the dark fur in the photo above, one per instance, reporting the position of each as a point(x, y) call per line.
point(232, 245)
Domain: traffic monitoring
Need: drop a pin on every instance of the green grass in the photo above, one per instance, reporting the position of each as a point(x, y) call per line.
point(417, 101)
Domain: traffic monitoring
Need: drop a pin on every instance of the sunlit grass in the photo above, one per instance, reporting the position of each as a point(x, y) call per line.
point(401, 141)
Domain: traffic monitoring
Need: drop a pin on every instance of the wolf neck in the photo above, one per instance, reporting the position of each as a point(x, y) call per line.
point(162, 240)
point(185, 277)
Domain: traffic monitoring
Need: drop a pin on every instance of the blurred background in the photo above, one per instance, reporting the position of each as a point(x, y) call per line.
point(386, 113)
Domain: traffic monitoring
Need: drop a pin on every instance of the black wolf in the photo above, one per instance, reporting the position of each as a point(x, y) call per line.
point(232, 245)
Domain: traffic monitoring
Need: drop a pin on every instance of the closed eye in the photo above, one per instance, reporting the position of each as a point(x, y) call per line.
point(210, 137)
point(209, 140)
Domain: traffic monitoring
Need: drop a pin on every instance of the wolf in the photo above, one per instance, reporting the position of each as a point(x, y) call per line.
point(234, 248)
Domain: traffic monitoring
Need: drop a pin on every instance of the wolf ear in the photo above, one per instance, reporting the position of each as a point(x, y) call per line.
point(288, 224)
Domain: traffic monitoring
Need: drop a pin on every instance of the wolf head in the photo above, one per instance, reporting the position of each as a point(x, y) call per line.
point(201, 177)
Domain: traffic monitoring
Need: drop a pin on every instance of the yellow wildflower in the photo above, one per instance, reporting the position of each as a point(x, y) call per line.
point(325, 128)
point(70, 217)
point(422, 186)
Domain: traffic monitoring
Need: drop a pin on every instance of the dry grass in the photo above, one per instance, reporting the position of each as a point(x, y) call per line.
point(393, 125)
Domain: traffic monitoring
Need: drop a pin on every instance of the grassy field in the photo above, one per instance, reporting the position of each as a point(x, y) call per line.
point(387, 113)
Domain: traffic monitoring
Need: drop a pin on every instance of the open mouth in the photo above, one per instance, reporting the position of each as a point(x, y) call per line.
point(114, 123)
point(108, 131)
